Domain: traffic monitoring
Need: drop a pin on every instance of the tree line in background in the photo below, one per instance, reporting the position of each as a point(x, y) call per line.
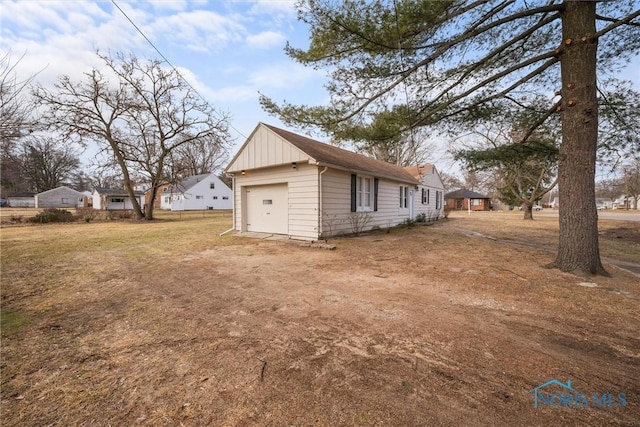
point(142, 118)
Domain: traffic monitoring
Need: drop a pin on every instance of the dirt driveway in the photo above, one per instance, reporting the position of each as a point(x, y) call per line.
point(417, 327)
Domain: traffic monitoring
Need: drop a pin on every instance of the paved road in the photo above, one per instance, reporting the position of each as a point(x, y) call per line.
point(603, 214)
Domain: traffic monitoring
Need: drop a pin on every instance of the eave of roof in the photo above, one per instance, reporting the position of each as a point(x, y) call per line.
point(338, 158)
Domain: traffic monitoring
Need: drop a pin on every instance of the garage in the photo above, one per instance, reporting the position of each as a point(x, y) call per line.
point(268, 209)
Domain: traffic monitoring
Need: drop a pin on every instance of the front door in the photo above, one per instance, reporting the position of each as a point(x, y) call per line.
point(411, 208)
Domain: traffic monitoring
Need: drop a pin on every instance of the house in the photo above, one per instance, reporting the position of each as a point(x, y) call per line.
point(625, 202)
point(115, 199)
point(285, 183)
point(60, 197)
point(604, 203)
point(429, 197)
point(24, 199)
point(198, 192)
point(159, 199)
point(467, 200)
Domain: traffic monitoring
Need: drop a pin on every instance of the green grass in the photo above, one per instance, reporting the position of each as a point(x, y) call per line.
point(11, 321)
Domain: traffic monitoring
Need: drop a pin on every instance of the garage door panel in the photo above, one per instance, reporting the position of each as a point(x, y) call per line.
point(267, 209)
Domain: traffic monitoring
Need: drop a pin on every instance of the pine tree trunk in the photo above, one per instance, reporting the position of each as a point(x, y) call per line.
point(578, 249)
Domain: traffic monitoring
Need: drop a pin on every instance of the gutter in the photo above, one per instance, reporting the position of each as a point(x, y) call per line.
point(320, 230)
point(233, 210)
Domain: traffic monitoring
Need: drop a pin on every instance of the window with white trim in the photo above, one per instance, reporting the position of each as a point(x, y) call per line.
point(404, 197)
point(364, 195)
point(199, 197)
point(438, 199)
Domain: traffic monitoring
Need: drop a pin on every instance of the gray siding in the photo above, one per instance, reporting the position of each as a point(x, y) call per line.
point(61, 197)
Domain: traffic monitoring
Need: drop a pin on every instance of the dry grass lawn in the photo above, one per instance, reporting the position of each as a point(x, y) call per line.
point(167, 323)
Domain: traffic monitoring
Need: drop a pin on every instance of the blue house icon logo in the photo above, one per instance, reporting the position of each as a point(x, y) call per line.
point(541, 397)
point(555, 393)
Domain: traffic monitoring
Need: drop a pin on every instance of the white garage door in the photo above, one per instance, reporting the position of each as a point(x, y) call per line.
point(267, 209)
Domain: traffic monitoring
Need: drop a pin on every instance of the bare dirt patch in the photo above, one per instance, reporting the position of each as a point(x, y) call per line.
point(169, 324)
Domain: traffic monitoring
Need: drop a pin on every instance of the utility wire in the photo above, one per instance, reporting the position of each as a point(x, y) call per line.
point(171, 65)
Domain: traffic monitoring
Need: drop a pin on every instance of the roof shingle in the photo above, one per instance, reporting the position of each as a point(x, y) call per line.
point(338, 157)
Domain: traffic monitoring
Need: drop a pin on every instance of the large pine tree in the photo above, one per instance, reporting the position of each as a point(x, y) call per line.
point(451, 61)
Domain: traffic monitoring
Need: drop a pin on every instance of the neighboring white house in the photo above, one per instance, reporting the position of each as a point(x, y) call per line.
point(198, 192)
point(115, 199)
point(625, 202)
point(285, 183)
point(60, 197)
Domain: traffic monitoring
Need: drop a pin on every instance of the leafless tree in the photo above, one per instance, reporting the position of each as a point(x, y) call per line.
point(15, 122)
point(144, 116)
point(200, 156)
point(46, 163)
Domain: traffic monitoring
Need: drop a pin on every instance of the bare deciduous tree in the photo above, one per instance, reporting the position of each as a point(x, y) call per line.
point(144, 116)
point(47, 163)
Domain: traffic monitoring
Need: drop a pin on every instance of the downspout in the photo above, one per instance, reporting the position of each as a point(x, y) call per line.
point(233, 209)
point(320, 230)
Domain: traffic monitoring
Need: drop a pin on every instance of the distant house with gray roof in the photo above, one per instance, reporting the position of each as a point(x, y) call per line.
point(60, 197)
point(463, 199)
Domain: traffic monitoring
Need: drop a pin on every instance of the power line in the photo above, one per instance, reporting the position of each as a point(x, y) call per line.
point(171, 65)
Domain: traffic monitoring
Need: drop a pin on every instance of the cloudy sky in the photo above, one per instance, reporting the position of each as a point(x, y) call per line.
point(228, 50)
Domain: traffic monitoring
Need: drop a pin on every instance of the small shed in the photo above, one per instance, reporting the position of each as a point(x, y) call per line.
point(60, 197)
point(462, 200)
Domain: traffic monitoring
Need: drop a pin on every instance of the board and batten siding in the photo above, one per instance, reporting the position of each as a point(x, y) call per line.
point(336, 204)
point(266, 149)
point(302, 185)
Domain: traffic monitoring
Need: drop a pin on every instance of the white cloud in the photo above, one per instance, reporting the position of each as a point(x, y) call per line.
point(274, 7)
point(200, 31)
point(283, 75)
point(266, 39)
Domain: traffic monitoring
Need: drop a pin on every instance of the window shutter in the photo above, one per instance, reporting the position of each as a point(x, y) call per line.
point(375, 194)
point(423, 196)
point(353, 192)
